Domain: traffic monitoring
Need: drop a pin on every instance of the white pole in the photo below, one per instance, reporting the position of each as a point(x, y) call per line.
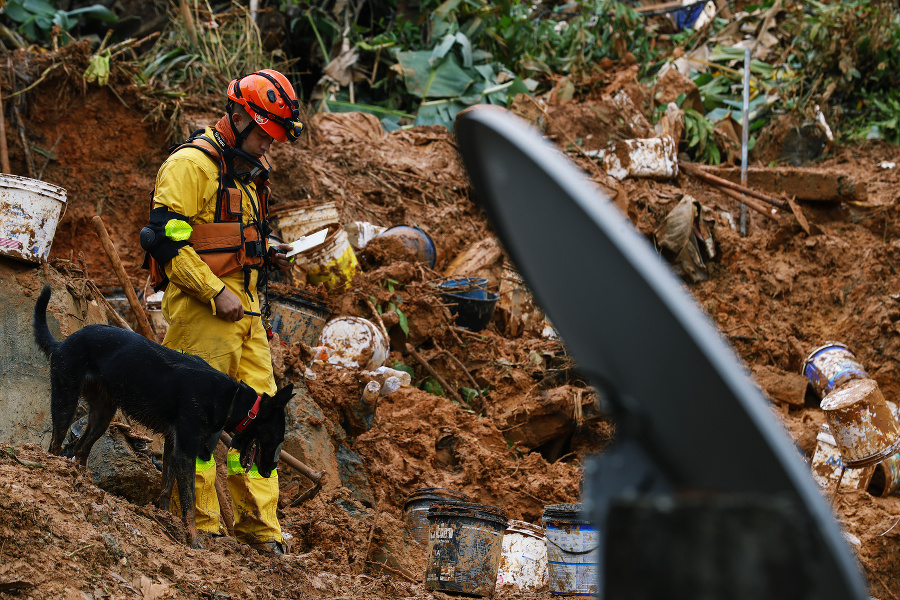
point(745, 135)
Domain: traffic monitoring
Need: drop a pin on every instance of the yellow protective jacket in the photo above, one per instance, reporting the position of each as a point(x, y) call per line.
point(188, 183)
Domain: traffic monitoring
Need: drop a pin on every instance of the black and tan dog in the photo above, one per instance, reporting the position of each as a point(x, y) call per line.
point(178, 395)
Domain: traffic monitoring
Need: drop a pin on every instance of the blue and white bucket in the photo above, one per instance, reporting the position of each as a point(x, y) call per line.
point(573, 551)
point(830, 366)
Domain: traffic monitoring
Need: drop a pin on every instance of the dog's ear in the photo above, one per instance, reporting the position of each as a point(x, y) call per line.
point(284, 395)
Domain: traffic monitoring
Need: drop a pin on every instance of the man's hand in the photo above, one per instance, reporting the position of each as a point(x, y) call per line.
point(229, 307)
point(279, 259)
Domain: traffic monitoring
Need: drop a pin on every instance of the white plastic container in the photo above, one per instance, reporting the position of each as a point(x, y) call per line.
point(361, 233)
point(655, 158)
point(523, 559)
point(354, 342)
point(30, 210)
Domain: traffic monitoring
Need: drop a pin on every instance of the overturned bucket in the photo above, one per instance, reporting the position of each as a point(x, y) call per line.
point(415, 240)
point(523, 559)
point(332, 263)
point(464, 545)
point(354, 342)
point(30, 210)
point(885, 479)
point(573, 551)
point(830, 366)
point(416, 509)
point(298, 317)
point(296, 221)
point(862, 423)
point(828, 465)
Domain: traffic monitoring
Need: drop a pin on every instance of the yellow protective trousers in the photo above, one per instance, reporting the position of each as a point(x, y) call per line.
point(241, 350)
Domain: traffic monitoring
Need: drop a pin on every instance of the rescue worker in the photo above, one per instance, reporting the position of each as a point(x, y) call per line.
point(207, 244)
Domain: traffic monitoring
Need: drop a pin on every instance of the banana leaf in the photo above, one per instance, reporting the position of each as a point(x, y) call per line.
point(446, 79)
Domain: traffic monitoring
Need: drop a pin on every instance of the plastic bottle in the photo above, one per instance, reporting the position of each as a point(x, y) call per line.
point(370, 393)
point(404, 377)
point(319, 353)
point(390, 385)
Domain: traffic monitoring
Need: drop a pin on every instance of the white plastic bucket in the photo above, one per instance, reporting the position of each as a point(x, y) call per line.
point(573, 551)
point(30, 210)
point(354, 342)
point(297, 221)
point(523, 558)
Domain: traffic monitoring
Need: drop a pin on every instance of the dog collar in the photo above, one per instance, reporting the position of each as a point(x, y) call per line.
point(250, 416)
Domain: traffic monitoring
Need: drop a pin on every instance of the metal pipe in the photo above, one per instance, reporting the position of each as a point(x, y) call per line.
point(745, 135)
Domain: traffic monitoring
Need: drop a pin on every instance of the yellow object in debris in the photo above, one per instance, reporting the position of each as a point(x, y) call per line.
point(178, 230)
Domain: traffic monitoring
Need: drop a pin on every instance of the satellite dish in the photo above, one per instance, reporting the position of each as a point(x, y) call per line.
point(673, 383)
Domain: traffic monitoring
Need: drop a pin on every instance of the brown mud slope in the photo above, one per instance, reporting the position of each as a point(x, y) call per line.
point(774, 295)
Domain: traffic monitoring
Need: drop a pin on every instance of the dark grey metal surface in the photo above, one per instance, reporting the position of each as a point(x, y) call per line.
point(673, 382)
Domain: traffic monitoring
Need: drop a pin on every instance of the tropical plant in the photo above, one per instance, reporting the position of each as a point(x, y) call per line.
point(35, 18)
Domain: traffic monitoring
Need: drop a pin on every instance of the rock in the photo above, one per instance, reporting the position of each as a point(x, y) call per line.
point(117, 469)
point(25, 379)
point(308, 436)
point(353, 475)
point(781, 386)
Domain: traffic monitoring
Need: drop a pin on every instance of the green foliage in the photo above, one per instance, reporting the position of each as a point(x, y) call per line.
point(36, 18)
point(700, 138)
point(402, 321)
point(882, 119)
point(453, 54)
point(430, 385)
point(570, 38)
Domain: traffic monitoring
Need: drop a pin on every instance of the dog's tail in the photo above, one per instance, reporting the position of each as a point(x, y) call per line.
point(42, 335)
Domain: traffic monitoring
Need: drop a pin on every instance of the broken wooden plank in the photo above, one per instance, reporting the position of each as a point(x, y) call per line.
point(808, 185)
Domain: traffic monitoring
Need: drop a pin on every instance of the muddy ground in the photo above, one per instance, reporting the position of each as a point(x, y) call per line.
point(775, 295)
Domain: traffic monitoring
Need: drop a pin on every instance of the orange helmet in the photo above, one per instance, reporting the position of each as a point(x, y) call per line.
point(270, 100)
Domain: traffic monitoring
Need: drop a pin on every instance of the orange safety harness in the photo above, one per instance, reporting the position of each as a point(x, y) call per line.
point(225, 245)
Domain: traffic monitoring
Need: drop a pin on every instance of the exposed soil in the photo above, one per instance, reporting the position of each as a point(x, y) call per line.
point(775, 295)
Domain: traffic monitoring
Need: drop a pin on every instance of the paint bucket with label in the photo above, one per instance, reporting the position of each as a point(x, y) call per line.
point(573, 550)
point(523, 558)
point(830, 366)
point(297, 220)
point(30, 210)
point(298, 317)
point(332, 263)
point(416, 509)
point(862, 423)
point(827, 465)
point(464, 545)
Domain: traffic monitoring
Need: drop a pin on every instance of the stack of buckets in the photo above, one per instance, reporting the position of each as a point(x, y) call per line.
point(333, 263)
point(862, 425)
point(473, 547)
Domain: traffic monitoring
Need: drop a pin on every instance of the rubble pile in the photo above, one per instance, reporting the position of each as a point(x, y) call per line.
point(496, 411)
